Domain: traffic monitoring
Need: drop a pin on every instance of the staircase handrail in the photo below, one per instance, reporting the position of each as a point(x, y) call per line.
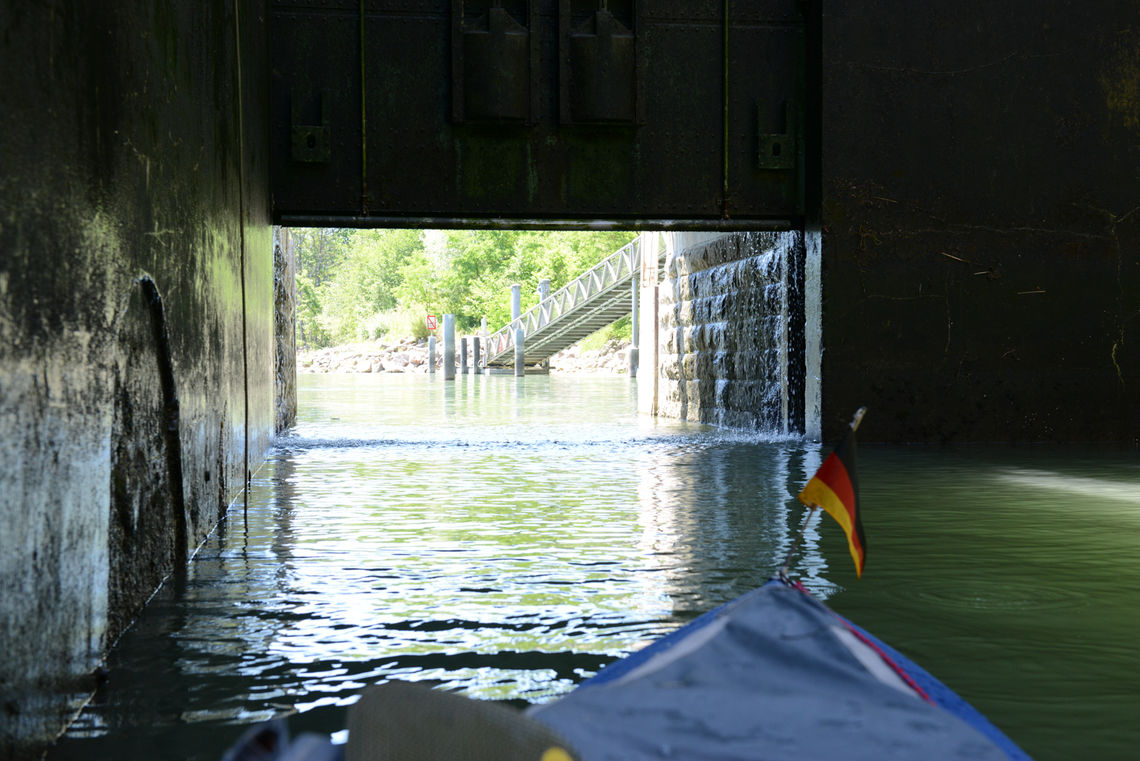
point(596, 280)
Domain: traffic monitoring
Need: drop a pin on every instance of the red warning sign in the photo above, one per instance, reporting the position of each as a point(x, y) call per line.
point(431, 323)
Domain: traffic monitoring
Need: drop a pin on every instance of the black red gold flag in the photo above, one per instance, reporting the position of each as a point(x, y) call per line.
point(835, 488)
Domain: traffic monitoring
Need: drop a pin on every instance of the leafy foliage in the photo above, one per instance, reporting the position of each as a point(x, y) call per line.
point(355, 284)
point(320, 250)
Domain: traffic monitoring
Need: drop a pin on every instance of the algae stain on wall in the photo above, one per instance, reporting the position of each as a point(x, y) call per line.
point(1120, 82)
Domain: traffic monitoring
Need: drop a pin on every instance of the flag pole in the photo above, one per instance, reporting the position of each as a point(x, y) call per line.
point(855, 421)
point(796, 542)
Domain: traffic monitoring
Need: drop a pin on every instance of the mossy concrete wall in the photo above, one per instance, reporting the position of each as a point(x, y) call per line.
point(136, 319)
point(981, 220)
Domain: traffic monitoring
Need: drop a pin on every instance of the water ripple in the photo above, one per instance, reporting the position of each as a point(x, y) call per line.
point(507, 540)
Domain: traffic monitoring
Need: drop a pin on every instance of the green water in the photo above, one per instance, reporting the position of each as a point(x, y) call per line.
point(507, 538)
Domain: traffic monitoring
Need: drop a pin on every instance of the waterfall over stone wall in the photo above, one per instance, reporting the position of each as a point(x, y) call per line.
point(731, 332)
point(285, 321)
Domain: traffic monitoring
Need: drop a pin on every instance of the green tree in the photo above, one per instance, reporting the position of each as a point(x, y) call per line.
point(309, 330)
point(320, 250)
point(366, 282)
point(355, 284)
point(473, 274)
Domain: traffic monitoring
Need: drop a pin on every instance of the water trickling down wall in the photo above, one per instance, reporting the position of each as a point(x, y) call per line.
point(731, 332)
point(285, 320)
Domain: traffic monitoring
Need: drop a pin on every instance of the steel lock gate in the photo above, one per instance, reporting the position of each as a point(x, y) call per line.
point(551, 112)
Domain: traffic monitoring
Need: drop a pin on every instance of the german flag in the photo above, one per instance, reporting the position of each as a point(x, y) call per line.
point(835, 488)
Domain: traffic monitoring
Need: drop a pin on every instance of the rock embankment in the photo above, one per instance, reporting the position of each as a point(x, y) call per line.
point(611, 359)
point(411, 356)
point(405, 356)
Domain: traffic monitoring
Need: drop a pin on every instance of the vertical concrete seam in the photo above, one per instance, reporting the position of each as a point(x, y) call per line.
point(813, 223)
point(363, 124)
point(241, 237)
point(724, 144)
point(813, 332)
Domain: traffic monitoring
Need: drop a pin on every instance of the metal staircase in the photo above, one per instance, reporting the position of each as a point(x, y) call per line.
point(587, 304)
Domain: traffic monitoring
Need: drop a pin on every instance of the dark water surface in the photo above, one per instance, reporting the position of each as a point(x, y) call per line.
point(508, 538)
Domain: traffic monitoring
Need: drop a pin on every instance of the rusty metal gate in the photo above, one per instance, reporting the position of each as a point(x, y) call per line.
point(635, 113)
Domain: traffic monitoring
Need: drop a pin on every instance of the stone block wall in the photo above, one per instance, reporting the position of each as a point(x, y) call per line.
point(730, 337)
point(285, 328)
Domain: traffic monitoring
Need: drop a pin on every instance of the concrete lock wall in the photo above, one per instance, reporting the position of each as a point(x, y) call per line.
point(729, 344)
point(136, 320)
point(978, 239)
point(981, 175)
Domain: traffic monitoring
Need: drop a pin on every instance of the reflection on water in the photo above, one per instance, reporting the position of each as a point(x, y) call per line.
point(508, 538)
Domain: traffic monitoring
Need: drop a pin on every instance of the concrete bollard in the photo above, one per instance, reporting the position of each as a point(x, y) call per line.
point(431, 355)
point(476, 358)
point(485, 335)
point(449, 347)
point(543, 295)
point(635, 320)
point(463, 355)
point(516, 311)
